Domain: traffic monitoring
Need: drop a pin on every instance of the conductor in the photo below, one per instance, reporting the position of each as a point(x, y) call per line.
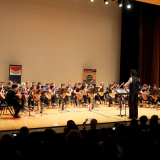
point(133, 84)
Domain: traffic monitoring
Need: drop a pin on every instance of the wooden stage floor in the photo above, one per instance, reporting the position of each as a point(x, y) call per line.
point(54, 117)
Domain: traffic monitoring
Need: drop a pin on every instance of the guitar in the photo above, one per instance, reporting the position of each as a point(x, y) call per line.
point(145, 94)
point(49, 94)
point(80, 94)
point(102, 93)
point(2, 93)
point(113, 93)
point(18, 96)
point(70, 90)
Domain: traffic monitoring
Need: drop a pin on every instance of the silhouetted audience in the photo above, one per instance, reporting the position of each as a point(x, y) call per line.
point(120, 142)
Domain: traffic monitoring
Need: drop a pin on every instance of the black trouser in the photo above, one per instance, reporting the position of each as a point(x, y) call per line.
point(22, 102)
point(116, 97)
point(62, 100)
point(99, 98)
point(17, 108)
point(73, 97)
point(108, 98)
point(133, 104)
point(31, 101)
point(85, 97)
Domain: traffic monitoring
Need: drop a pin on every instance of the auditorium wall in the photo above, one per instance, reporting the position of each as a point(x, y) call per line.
point(54, 40)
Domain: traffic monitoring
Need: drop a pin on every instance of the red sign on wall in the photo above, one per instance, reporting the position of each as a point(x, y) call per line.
point(15, 70)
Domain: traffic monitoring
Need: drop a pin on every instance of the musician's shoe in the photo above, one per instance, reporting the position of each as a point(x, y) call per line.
point(16, 116)
point(76, 106)
point(98, 103)
point(141, 106)
point(54, 104)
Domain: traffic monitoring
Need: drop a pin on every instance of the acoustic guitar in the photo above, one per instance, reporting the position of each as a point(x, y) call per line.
point(145, 94)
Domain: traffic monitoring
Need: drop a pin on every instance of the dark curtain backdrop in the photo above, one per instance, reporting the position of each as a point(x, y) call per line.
point(140, 43)
point(129, 40)
point(150, 56)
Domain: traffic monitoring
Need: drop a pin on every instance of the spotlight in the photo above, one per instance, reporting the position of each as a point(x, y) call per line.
point(105, 1)
point(128, 6)
point(120, 4)
point(91, 0)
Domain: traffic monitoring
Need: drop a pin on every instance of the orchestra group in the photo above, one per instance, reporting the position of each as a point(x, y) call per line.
point(17, 95)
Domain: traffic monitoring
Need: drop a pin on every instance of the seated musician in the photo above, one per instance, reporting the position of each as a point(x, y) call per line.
point(144, 89)
point(47, 89)
point(33, 84)
point(77, 90)
point(100, 96)
point(62, 97)
point(154, 98)
point(11, 99)
point(69, 89)
point(39, 86)
point(2, 93)
point(85, 96)
point(22, 90)
point(9, 87)
point(53, 89)
point(30, 98)
point(27, 86)
point(73, 96)
point(91, 98)
point(116, 95)
point(108, 97)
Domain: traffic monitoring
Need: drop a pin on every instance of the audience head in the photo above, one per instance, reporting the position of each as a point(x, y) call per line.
point(134, 122)
point(71, 126)
point(74, 141)
point(121, 129)
point(70, 122)
point(93, 124)
point(6, 144)
point(23, 132)
point(49, 135)
point(143, 119)
point(154, 121)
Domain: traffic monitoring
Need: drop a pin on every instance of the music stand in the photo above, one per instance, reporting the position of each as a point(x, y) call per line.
point(121, 92)
point(60, 92)
point(155, 92)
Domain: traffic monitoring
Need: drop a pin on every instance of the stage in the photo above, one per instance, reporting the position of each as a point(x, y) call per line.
point(55, 118)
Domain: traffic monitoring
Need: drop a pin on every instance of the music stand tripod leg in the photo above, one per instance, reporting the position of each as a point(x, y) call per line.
point(29, 113)
point(41, 111)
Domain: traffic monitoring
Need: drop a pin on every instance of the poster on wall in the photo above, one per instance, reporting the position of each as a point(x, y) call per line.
point(89, 76)
point(15, 72)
